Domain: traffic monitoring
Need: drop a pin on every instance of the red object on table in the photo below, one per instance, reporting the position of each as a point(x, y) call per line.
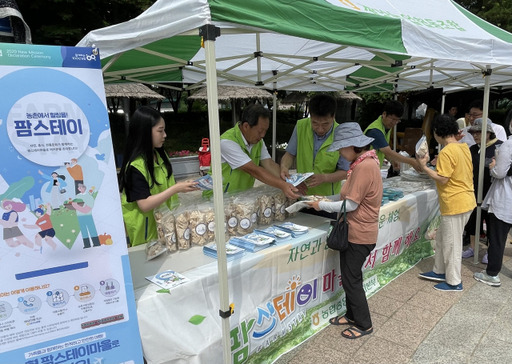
point(204, 156)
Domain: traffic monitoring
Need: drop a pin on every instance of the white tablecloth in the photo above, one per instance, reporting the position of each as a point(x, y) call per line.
point(285, 291)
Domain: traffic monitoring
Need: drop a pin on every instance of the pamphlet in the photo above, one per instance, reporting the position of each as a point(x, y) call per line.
point(297, 178)
point(205, 182)
point(232, 251)
point(168, 279)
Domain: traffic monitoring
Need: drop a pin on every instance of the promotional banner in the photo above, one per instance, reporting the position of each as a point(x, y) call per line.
point(66, 292)
point(282, 294)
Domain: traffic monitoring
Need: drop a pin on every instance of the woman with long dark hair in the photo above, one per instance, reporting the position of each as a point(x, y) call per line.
point(145, 179)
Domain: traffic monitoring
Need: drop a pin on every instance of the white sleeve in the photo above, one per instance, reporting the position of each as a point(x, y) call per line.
point(500, 132)
point(232, 154)
point(335, 206)
point(264, 152)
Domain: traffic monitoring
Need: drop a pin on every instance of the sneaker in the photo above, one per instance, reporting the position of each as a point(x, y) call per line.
point(487, 279)
point(448, 287)
point(485, 259)
point(468, 253)
point(431, 276)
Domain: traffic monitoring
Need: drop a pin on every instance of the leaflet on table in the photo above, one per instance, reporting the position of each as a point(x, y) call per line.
point(252, 242)
point(205, 182)
point(297, 178)
point(66, 289)
point(294, 229)
point(273, 232)
point(232, 252)
point(168, 279)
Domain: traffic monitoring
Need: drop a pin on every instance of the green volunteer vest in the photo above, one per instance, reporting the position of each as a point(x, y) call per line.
point(377, 124)
point(325, 162)
point(235, 180)
point(141, 226)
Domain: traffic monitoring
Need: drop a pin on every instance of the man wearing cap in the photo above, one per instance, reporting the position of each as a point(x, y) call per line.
point(380, 131)
point(245, 158)
point(476, 111)
point(308, 144)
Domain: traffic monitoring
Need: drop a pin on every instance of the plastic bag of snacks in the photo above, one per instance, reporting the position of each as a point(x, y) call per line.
point(280, 204)
point(209, 220)
point(244, 208)
point(265, 205)
point(182, 228)
point(166, 227)
point(155, 248)
point(422, 147)
point(198, 227)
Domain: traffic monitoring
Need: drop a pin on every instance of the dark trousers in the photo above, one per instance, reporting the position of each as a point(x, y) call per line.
point(351, 263)
point(497, 231)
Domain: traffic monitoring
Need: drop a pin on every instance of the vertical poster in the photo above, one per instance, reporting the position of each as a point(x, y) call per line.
point(66, 293)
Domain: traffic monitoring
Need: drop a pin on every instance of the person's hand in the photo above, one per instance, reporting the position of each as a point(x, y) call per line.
point(314, 204)
point(290, 191)
point(303, 189)
point(433, 162)
point(418, 167)
point(459, 135)
point(421, 162)
point(285, 173)
point(186, 186)
point(493, 163)
point(315, 180)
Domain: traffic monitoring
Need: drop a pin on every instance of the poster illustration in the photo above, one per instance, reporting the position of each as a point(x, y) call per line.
point(66, 292)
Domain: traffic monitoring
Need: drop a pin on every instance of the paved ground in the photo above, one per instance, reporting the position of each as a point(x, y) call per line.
point(414, 323)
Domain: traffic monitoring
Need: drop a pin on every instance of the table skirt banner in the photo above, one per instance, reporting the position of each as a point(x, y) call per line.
point(282, 295)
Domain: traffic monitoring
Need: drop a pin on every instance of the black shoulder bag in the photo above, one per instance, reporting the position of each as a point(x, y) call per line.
point(337, 238)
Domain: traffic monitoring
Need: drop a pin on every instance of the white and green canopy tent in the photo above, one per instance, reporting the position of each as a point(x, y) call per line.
point(310, 45)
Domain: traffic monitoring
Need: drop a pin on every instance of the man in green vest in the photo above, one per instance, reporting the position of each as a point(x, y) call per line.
point(308, 144)
point(245, 157)
point(380, 130)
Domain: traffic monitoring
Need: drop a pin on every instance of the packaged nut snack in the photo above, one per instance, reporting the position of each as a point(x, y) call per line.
point(265, 205)
point(209, 219)
point(155, 248)
point(280, 204)
point(182, 229)
point(231, 219)
point(198, 228)
point(165, 224)
point(243, 207)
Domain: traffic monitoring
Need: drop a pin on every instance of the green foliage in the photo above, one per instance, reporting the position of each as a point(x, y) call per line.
point(65, 22)
point(497, 12)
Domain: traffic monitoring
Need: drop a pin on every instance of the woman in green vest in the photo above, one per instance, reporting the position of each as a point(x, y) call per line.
point(146, 180)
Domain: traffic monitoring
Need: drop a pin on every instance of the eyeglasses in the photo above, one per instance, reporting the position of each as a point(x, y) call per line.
point(475, 116)
point(395, 120)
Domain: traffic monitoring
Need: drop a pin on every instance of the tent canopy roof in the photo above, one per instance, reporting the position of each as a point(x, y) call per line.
point(311, 45)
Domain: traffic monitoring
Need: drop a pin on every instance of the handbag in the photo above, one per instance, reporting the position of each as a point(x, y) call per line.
point(337, 239)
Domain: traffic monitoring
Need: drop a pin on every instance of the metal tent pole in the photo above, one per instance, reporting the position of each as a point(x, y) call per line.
point(209, 33)
point(483, 142)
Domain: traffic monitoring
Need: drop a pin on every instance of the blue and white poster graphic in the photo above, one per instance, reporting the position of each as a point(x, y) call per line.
point(66, 293)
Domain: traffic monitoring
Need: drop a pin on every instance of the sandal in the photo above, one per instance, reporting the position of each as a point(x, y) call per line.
point(354, 333)
point(336, 321)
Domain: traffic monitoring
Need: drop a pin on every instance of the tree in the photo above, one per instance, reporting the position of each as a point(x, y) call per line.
point(65, 22)
point(497, 12)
